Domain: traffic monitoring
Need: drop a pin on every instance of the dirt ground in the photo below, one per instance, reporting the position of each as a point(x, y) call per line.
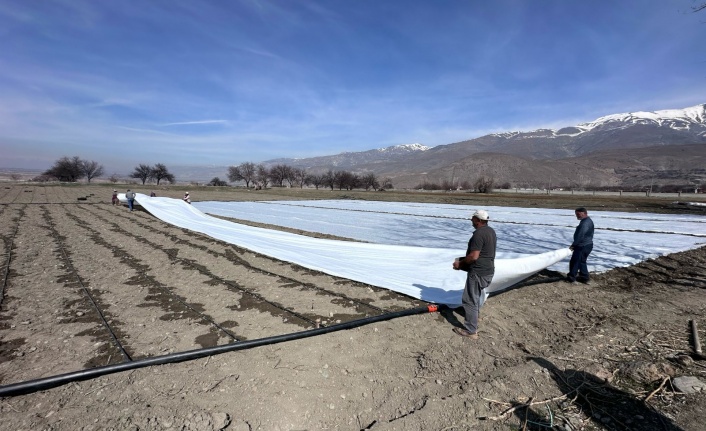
point(551, 355)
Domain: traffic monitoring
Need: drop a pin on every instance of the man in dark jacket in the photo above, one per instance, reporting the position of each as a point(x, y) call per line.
point(479, 262)
point(582, 246)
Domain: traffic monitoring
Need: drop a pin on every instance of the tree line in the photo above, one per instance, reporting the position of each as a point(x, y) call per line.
point(73, 169)
point(260, 177)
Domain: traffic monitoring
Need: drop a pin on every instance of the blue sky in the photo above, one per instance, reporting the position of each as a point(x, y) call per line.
point(216, 82)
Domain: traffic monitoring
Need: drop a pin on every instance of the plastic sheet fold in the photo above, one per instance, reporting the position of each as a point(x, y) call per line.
point(419, 272)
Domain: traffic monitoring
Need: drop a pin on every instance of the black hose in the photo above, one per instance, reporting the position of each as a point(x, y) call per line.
point(32, 386)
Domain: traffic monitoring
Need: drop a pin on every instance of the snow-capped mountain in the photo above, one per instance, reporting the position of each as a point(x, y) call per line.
point(693, 118)
point(403, 149)
point(350, 160)
point(614, 147)
point(617, 131)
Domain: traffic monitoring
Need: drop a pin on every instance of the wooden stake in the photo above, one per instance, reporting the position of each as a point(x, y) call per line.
point(695, 334)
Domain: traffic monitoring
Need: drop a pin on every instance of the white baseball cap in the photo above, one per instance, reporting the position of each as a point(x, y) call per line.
point(481, 215)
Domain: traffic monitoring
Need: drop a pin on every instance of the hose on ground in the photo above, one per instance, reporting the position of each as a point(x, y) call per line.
point(31, 386)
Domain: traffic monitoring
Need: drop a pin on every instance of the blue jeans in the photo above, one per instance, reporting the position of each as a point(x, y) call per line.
point(577, 265)
point(129, 203)
point(473, 299)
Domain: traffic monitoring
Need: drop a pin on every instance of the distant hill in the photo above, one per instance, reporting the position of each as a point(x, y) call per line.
point(353, 160)
point(630, 148)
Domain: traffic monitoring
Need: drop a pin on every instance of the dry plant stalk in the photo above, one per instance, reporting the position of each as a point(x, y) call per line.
point(504, 415)
point(647, 398)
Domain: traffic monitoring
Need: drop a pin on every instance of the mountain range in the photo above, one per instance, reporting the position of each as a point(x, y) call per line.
point(632, 150)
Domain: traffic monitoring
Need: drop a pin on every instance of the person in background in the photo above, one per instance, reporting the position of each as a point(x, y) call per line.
point(582, 246)
point(115, 199)
point(479, 263)
point(130, 196)
point(153, 194)
point(187, 198)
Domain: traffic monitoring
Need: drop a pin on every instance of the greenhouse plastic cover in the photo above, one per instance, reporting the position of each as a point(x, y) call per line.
point(419, 272)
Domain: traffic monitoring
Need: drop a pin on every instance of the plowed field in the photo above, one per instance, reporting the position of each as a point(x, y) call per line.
point(87, 284)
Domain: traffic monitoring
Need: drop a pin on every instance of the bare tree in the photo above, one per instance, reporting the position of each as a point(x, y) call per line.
point(113, 178)
point(289, 175)
point(142, 172)
point(370, 181)
point(243, 172)
point(66, 169)
point(387, 184)
point(329, 179)
point(234, 174)
point(699, 7)
point(91, 169)
point(300, 177)
point(345, 180)
point(353, 181)
point(262, 176)
point(484, 184)
point(278, 173)
point(15, 177)
point(340, 179)
point(316, 180)
point(160, 172)
point(217, 182)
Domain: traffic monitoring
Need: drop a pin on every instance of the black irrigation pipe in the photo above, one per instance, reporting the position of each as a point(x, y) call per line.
point(32, 386)
point(55, 234)
point(175, 296)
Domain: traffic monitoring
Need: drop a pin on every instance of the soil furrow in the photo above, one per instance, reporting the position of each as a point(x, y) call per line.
point(199, 276)
point(43, 307)
point(348, 292)
point(261, 282)
point(137, 309)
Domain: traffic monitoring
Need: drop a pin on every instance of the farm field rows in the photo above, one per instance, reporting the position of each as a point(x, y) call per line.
point(163, 289)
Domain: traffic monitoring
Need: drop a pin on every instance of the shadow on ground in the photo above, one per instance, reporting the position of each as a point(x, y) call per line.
point(605, 405)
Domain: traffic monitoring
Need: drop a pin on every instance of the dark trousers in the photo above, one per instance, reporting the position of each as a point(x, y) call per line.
point(577, 265)
point(473, 299)
point(130, 203)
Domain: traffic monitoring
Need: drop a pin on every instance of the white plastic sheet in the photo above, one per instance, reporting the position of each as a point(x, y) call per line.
point(421, 272)
point(621, 239)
